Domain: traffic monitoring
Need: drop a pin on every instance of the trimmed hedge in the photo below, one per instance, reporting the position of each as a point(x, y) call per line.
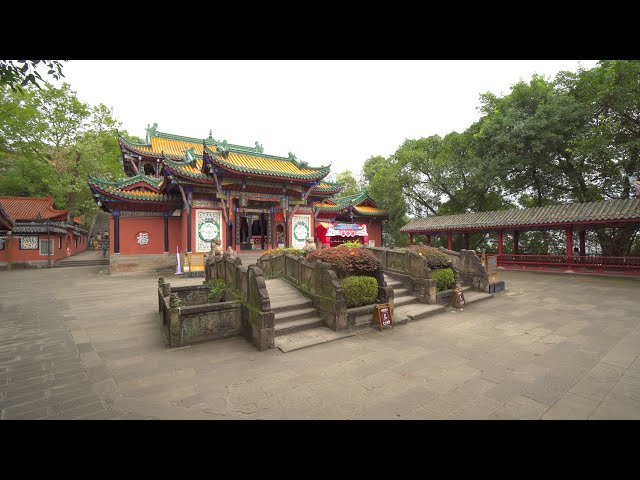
point(445, 277)
point(435, 258)
point(360, 290)
point(347, 261)
point(353, 244)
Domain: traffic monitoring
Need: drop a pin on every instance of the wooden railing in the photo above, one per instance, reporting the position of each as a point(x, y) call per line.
point(632, 262)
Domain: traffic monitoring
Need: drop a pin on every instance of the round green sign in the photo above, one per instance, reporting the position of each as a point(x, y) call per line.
point(209, 230)
point(300, 231)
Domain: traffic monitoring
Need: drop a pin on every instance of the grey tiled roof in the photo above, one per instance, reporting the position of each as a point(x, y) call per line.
point(554, 215)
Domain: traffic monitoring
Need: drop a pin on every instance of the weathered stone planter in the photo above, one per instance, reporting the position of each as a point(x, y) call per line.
point(188, 317)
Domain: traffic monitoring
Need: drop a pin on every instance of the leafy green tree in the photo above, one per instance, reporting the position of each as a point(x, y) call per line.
point(349, 183)
point(381, 179)
point(52, 141)
point(21, 73)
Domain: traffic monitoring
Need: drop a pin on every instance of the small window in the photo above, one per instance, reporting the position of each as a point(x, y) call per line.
point(46, 247)
point(76, 242)
point(60, 243)
point(28, 243)
point(2, 242)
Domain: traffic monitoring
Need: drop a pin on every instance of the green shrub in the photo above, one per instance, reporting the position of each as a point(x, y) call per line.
point(217, 288)
point(276, 251)
point(347, 261)
point(445, 277)
point(352, 244)
point(360, 290)
point(435, 258)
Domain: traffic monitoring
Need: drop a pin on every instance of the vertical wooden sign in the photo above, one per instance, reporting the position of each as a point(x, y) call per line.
point(382, 314)
point(456, 299)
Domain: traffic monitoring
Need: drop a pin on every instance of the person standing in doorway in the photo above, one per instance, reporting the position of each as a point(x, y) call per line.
point(104, 247)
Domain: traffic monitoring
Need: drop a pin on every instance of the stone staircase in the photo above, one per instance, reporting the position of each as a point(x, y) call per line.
point(69, 262)
point(407, 307)
point(293, 311)
point(297, 324)
point(83, 259)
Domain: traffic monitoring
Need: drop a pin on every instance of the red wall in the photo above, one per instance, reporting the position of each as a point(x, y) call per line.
point(375, 231)
point(183, 230)
point(175, 234)
point(129, 229)
point(18, 255)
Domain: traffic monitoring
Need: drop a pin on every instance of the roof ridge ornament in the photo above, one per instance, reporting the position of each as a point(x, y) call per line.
point(152, 131)
point(190, 154)
point(259, 147)
point(210, 134)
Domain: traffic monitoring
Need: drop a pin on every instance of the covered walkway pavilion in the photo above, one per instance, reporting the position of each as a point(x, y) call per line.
point(575, 220)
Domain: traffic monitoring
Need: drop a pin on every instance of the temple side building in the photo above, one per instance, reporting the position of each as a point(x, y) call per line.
point(181, 193)
point(33, 233)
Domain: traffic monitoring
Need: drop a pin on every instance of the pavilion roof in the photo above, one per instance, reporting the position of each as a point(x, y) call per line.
point(28, 208)
point(619, 210)
point(139, 187)
point(360, 203)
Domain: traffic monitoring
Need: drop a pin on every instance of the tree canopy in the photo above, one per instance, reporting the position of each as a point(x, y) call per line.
point(575, 138)
point(49, 143)
point(21, 73)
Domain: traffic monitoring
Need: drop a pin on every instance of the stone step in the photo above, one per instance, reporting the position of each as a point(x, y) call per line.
point(365, 321)
point(404, 300)
point(417, 311)
point(400, 292)
point(297, 325)
point(84, 263)
point(473, 296)
point(297, 314)
point(395, 284)
point(307, 338)
point(293, 304)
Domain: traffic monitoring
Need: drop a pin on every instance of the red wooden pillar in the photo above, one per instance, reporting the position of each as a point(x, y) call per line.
point(516, 241)
point(569, 233)
point(429, 240)
point(582, 243)
point(410, 239)
point(500, 242)
point(450, 240)
point(466, 240)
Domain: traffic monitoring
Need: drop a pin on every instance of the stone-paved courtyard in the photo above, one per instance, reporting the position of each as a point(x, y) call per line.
point(76, 343)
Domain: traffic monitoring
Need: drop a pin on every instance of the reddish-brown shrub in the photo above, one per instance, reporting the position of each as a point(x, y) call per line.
point(347, 261)
point(435, 258)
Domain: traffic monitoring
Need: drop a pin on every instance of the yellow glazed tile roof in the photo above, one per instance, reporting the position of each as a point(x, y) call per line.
point(369, 209)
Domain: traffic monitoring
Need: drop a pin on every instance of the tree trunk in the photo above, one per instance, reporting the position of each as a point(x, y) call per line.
point(618, 243)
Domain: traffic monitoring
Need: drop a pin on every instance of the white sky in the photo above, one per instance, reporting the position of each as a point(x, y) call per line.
point(339, 112)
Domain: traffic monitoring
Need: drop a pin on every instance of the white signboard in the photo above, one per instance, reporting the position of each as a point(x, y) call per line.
point(208, 227)
point(301, 230)
point(347, 230)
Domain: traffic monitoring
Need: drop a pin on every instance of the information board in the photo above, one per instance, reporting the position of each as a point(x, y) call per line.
point(382, 314)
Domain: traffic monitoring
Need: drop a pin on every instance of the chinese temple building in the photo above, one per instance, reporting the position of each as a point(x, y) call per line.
point(33, 233)
point(181, 193)
point(349, 219)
